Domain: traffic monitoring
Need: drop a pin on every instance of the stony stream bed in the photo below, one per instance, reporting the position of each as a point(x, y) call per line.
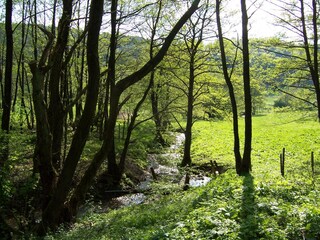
point(165, 165)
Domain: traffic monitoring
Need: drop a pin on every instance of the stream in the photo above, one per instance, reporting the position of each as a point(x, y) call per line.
point(165, 166)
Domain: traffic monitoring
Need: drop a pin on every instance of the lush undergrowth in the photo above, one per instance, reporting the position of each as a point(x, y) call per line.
point(263, 205)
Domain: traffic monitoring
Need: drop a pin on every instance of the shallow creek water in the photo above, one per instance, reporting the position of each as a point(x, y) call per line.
point(168, 170)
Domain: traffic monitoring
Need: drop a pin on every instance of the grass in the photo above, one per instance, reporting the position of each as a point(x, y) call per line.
point(263, 205)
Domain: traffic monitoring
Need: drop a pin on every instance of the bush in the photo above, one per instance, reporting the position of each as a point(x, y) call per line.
point(281, 102)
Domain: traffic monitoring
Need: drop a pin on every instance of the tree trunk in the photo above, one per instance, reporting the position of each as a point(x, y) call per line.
point(113, 168)
point(188, 131)
point(315, 54)
point(154, 89)
point(7, 95)
point(246, 161)
point(48, 174)
point(236, 141)
point(82, 71)
point(4, 150)
point(6, 101)
point(1, 84)
point(35, 31)
point(155, 111)
point(56, 111)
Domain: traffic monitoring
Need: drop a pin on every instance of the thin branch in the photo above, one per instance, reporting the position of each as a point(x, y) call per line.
point(290, 94)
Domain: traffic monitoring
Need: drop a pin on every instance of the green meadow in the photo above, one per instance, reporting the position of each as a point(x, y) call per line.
point(263, 205)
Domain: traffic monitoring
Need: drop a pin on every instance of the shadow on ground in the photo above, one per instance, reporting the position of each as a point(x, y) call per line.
point(249, 219)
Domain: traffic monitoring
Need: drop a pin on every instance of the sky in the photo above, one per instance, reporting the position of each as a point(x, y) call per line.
point(262, 22)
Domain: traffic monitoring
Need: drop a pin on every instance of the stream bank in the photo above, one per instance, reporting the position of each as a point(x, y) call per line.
point(166, 173)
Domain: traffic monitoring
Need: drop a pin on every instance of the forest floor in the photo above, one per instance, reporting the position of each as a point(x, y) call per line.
point(262, 205)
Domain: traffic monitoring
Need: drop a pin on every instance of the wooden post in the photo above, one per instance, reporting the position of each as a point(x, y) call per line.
point(281, 164)
point(282, 159)
point(312, 163)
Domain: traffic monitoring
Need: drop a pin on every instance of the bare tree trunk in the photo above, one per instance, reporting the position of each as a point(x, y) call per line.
point(6, 101)
point(82, 71)
point(113, 169)
point(30, 104)
point(188, 131)
point(236, 141)
point(48, 174)
point(1, 78)
point(56, 111)
point(35, 31)
point(155, 110)
point(154, 88)
point(246, 161)
point(21, 70)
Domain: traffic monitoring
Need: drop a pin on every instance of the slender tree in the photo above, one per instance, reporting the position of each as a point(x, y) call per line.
point(154, 96)
point(227, 77)
point(193, 39)
point(243, 163)
point(7, 94)
point(6, 101)
point(246, 161)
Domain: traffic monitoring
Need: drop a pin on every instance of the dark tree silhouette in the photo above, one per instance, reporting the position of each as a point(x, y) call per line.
point(6, 101)
point(227, 77)
point(246, 161)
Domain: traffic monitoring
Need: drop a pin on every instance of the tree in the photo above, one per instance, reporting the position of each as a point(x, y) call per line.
point(243, 164)
point(154, 96)
point(7, 94)
point(227, 77)
point(195, 64)
point(301, 19)
point(246, 161)
point(6, 101)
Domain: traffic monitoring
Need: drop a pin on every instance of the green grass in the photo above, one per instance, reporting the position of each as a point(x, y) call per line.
point(263, 205)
